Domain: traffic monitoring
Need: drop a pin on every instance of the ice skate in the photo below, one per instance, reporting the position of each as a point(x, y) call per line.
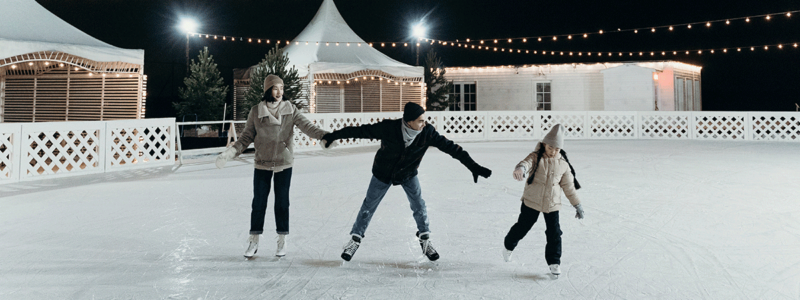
point(253, 247)
point(507, 255)
point(351, 247)
point(555, 269)
point(281, 252)
point(427, 246)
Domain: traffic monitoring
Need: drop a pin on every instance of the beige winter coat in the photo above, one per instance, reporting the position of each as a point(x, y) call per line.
point(274, 139)
point(552, 176)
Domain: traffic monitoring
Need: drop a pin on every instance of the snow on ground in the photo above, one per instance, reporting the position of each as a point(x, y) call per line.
point(664, 220)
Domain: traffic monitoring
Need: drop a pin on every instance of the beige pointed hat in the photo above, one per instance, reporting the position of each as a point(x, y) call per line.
point(555, 138)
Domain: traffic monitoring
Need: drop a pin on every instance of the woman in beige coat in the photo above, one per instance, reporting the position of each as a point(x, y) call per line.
point(548, 173)
point(270, 126)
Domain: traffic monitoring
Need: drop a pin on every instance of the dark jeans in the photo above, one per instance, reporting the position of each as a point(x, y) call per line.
point(527, 217)
point(261, 185)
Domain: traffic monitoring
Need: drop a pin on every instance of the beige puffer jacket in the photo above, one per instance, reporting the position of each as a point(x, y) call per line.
point(274, 140)
point(553, 176)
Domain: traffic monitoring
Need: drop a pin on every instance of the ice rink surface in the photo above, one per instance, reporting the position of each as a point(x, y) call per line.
point(664, 220)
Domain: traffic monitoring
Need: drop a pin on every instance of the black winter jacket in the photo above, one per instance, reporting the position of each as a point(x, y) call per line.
point(394, 163)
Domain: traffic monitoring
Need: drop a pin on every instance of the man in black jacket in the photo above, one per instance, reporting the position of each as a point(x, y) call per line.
point(403, 144)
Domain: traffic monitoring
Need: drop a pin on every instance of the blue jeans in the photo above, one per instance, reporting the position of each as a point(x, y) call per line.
point(375, 193)
point(261, 184)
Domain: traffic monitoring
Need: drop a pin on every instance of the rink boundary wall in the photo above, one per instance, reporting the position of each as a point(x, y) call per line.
point(32, 151)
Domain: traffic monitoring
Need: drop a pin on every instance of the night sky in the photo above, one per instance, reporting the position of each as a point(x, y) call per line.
point(748, 81)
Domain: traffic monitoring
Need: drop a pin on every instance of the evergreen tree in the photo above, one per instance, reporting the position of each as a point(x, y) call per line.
point(205, 90)
point(437, 86)
point(275, 62)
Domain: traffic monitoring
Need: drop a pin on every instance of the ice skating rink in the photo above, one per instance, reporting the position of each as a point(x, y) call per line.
point(664, 220)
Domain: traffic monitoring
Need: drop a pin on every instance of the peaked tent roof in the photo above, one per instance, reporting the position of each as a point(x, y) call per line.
point(329, 26)
point(26, 27)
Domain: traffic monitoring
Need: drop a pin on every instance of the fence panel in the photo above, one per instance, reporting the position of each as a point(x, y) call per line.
point(612, 125)
point(664, 125)
point(508, 125)
point(574, 122)
point(338, 121)
point(719, 126)
point(59, 149)
point(774, 126)
point(10, 146)
point(463, 125)
point(140, 143)
point(303, 141)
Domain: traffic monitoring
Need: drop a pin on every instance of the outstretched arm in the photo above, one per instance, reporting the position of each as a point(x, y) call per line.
point(449, 147)
point(366, 131)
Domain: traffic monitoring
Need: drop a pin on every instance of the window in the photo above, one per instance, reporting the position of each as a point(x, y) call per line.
point(543, 100)
point(465, 97)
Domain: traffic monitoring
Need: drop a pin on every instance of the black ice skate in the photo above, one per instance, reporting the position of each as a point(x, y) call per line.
point(351, 247)
point(427, 246)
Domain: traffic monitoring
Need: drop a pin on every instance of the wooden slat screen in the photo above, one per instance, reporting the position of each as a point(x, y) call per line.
point(391, 97)
point(372, 95)
point(352, 97)
point(411, 93)
point(328, 99)
point(18, 101)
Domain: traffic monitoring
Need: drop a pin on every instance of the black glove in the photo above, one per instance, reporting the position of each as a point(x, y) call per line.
point(478, 170)
point(329, 138)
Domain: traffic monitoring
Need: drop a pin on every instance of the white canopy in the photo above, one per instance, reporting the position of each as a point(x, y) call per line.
point(329, 26)
point(26, 27)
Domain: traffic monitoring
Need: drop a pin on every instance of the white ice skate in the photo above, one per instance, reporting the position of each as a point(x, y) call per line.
point(555, 269)
point(351, 247)
point(253, 247)
point(507, 255)
point(281, 252)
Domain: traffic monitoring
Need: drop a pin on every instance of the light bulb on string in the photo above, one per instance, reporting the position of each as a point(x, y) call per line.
point(768, 17)
point(495, 41)
point(555, 38)
point(738, 49)
point(524, 40)
point(540, 39)
point(601, 31)
point(789, 14)
point(585, 35)
point(670, 28)
point(653, 30)
point(752, 48)
point(509, 40)
point(689, 26)
point(636, 31)
point(727, 22)
point(724, 50)
point(708, 24)
point(569, 37)
point(747, 20)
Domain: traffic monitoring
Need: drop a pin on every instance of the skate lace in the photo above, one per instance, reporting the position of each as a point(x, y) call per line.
point(350, 247)
point(427, 247)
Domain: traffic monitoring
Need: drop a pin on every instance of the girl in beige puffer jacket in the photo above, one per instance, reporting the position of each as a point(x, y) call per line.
point(549, 173)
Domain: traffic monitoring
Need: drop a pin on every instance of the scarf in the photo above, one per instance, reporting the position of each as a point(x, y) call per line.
point(409, 134)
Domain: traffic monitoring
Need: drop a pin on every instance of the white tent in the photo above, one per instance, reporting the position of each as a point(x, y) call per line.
point(52, 71)
point(329, 26)
point(27, 27)
point(349, 77)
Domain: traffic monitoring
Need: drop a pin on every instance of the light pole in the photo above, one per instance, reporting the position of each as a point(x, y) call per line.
point(419, 33)
point(188, 26)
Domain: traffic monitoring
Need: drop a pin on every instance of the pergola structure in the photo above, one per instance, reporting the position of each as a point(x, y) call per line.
point(51, 71)
point(348, 76)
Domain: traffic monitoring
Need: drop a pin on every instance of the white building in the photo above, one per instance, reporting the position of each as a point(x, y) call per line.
point(629, 86)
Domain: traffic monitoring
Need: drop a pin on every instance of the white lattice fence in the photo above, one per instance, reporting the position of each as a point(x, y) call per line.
point(574, 123)
point(61, 149)
point(134, 144)
point(775, 126)
point(512, 125)
point(335, 122)
point(719, 126)
point(612, 125)
point(9, 150)
point(664, 125)
point(463, 125)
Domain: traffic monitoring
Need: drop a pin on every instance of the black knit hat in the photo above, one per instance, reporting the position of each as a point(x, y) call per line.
point(412, 111)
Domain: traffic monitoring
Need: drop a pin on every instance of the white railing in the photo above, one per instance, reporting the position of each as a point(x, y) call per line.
point(521, 125)
point(46, 150)
point(32, 151)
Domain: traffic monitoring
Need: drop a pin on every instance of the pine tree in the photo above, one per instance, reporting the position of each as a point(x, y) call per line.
point(437, 86)
point(205, 90)
point(275, 62)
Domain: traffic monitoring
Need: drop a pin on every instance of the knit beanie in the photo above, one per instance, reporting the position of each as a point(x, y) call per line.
point(271, 80)
point(412, 111)
point(555, 138)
